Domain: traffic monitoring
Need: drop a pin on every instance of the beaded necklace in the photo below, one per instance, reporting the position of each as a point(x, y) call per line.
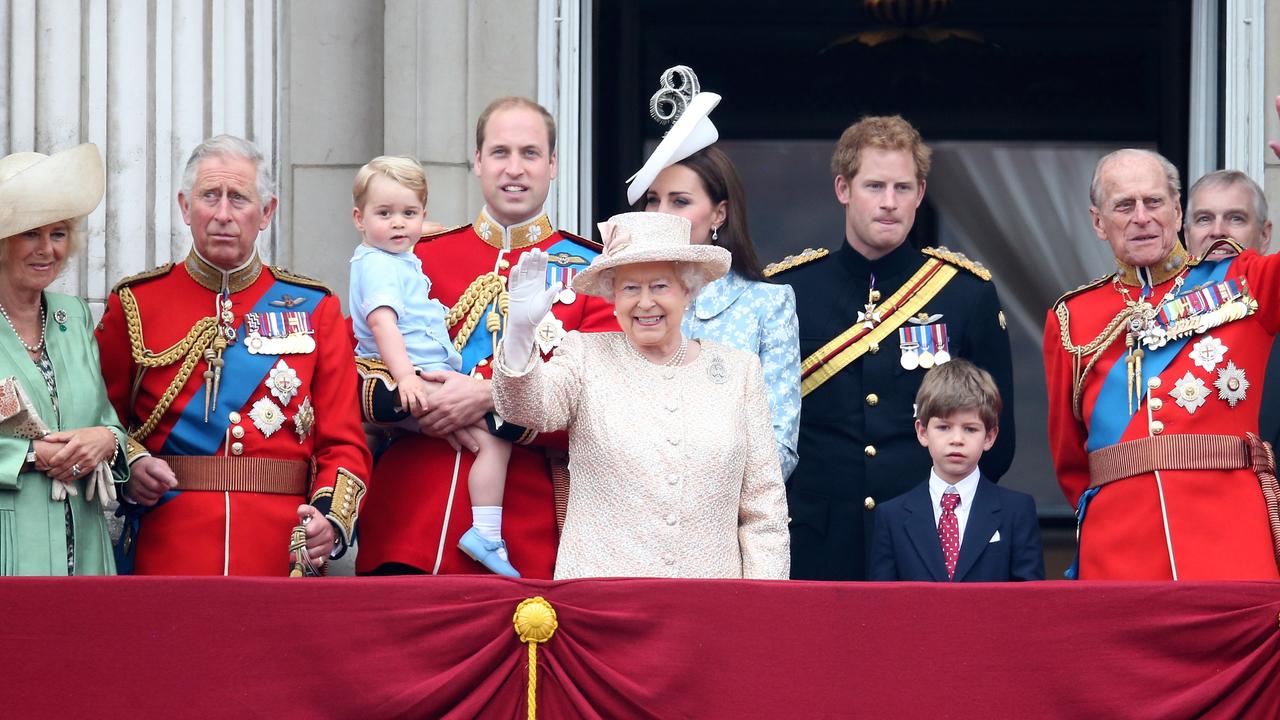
point(33, 349)
point(673, 361)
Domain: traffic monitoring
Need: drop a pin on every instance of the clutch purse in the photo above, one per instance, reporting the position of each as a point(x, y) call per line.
point(18, 417)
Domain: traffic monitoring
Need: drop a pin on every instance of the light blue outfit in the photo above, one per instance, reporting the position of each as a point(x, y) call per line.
point(395, 280)
point(760, 318)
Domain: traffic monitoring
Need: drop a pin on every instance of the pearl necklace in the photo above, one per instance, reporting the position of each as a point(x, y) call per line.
point(673, 361)
point(33, 349)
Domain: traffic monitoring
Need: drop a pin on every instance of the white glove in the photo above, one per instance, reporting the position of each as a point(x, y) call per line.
point(62, 489)
point(104, 483)
point(528, 301)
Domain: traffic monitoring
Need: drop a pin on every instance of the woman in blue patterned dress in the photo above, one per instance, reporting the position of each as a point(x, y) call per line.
point(741, 309)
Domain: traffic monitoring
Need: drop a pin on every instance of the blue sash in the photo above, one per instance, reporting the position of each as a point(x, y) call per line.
point(242, 372)
point(1111, 414)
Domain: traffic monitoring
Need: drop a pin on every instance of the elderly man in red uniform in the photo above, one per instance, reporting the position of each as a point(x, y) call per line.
point(237, 384)
point(418, 507)
point(1155, 376)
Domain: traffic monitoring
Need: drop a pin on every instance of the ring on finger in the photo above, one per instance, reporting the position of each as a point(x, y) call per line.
point(75, 469)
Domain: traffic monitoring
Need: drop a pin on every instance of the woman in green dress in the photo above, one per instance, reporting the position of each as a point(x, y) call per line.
point(50, 521)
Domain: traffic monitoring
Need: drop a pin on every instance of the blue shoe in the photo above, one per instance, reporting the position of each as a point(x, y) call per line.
point(486, 553)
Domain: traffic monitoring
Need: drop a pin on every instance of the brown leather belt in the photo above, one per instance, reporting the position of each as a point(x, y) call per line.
point(1168, 452)
point(240, 474)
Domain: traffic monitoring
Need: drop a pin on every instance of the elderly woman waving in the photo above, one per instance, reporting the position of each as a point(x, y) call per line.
point(675, 470)
point(57, 431)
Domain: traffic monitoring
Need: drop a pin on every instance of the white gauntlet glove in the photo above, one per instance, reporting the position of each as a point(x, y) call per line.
point(529, 300)
point(103, 483)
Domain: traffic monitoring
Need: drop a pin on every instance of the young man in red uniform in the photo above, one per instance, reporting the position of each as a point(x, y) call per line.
point(418, 507)
point(237, 384)
point(1155, 376)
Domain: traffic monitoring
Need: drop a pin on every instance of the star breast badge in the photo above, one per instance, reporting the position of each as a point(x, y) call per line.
point(1189, 392)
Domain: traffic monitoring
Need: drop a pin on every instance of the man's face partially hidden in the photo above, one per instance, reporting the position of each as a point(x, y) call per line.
point(1222, 212)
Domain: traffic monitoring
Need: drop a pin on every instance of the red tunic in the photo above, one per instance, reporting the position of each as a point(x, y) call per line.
point(419, 506)
point(241, 533)
point(1217, 519)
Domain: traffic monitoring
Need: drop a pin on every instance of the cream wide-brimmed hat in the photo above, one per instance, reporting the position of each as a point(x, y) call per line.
point(678, 99)
point(641, 237)
point(38, 189)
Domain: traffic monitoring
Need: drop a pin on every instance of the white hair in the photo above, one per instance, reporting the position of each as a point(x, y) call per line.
point(230, 146)
point(687, 274)
point(1170, 172)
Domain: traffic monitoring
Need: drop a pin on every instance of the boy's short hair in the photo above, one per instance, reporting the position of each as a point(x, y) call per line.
point(879, 132)
point(957, 386)
point(404, 170)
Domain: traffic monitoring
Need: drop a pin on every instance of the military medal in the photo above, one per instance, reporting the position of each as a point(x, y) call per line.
point(941, 342)
point(1231, 384)
point(870, 317)
point(266, 416)
point(1189, 392)
point(283, 382)
point(907, 343)
point(549, 333)
point(305, 419)
point(1208, 352)
point(279, 333)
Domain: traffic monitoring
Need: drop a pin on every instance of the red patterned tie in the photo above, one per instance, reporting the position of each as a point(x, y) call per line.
point(949, 532)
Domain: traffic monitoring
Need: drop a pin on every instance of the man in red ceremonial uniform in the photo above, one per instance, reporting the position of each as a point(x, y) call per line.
point(236, 382)
point(1155, 376)
point(419, 506)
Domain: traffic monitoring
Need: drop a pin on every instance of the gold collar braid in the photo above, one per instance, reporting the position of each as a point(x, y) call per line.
point(521, 235)
point(214, 278)
point(1160, 272)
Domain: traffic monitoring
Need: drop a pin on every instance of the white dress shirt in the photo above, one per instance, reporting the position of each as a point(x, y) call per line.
point(967, 487)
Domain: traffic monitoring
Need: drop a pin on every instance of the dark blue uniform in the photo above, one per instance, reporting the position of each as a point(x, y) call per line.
point(858, 445)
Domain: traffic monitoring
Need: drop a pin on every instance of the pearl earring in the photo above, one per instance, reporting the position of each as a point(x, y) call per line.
point(715, 234)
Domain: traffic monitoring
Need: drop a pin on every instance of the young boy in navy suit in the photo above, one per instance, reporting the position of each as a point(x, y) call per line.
point(957, 525)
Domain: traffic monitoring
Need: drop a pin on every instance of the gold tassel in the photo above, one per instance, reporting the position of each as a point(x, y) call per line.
point(535, 622)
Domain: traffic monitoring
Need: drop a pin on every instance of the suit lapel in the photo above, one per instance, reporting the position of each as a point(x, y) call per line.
point(984, 520)
point(924, 532)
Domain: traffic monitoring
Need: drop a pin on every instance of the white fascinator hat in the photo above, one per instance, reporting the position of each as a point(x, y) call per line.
point(681, 101)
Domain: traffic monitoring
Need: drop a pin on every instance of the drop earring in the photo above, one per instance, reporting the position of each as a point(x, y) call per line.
point(715, 234)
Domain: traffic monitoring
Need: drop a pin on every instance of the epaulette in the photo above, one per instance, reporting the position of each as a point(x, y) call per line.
point(144, 275)
point(955, 258)
point(1087, 286)
point(291, 277)
point(598, 247)
point(789, 262)
point(428, 237)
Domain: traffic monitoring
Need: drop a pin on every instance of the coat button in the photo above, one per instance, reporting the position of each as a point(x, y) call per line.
point(870, 450)
point(1157, 427)
point(671, 519)
point(504, 264)
point(237, 448)
point(873, 348)
point(1156, 403)
point(234, 417)
point(869, 503)
point(873, 399)
point(482, 362)
point(1153, 383)
point(237, 432)
point(669, 559)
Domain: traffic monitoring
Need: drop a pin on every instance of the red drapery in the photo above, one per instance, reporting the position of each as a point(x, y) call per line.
point(445, 648)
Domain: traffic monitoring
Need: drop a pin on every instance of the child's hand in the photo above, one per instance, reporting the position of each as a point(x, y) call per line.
point(413, 392)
